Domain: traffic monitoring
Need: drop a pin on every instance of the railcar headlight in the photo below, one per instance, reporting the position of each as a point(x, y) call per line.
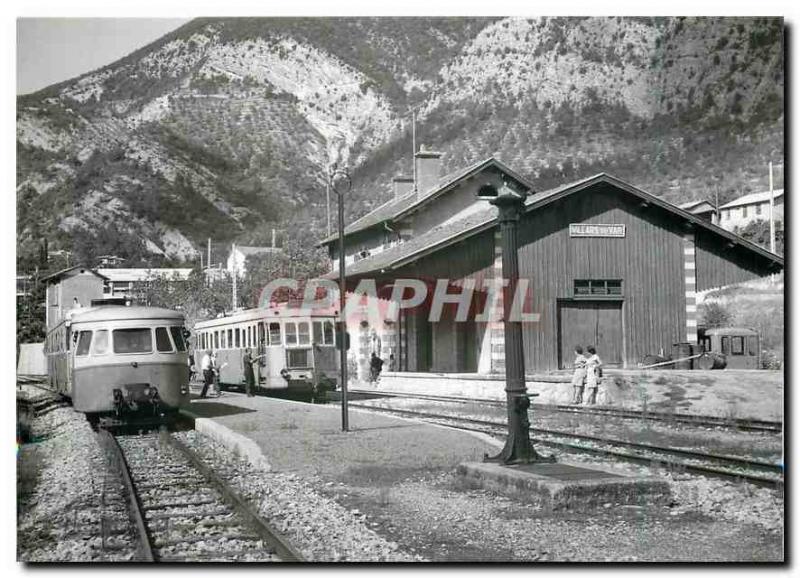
point(146, 390)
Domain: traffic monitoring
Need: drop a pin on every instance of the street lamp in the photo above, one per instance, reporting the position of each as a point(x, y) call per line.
point(337, 179)
point(518, 448)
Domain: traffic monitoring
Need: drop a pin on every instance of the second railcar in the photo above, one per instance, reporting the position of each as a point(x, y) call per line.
point(296, 347)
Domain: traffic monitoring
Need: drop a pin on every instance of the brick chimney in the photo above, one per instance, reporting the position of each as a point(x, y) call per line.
point(402, 186)
point(428, 166)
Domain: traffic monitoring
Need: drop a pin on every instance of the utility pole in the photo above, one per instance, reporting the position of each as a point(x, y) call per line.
point(327, 203)
point(235, 274)
point(771, 211)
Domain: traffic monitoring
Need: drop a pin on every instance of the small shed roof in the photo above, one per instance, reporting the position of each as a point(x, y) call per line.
point(53, 277)
point(731, 331)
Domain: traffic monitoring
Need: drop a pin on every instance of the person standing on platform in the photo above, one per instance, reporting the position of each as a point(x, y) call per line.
point(249, 374)
point(208, 372)
point(578, 375)
point(594, 373)
point(375, 366)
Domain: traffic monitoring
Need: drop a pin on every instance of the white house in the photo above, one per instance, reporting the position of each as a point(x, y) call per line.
point(755, 206)
point(240, 253)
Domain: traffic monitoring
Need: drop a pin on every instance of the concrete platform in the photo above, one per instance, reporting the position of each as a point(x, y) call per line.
point(565, 486)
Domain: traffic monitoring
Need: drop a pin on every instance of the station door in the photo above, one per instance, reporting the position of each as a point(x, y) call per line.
point(584, 323)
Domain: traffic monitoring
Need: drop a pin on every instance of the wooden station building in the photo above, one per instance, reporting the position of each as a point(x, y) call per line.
point(607, 263)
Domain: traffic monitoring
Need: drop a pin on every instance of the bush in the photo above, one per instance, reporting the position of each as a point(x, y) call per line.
point(715, 315)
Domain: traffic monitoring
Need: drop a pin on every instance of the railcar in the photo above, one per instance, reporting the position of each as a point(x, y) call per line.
point(739, 346)
point(120, 361)
point(297, 349)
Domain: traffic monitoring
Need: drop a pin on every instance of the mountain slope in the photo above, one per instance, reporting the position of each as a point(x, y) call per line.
point(224, 127)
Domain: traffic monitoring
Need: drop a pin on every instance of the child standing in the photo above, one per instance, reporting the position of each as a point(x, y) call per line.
point(593, 374)
point(579, 375)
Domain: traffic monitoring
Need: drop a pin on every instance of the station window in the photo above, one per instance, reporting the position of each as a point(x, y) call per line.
point(84, 339)
point(274, 333)
point(597, 287)
point(134, 340)
point(758, 209)
point(737, 345)
point(304, 337)
point(162, 339)
point(291, 333)
point(100, 342)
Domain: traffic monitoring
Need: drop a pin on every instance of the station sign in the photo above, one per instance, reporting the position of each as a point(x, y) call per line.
point(592, 230)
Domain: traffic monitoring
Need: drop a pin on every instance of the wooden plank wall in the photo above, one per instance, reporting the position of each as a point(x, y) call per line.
point(721, 263)
point(649, 260)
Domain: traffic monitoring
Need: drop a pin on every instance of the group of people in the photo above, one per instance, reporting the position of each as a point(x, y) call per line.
point(210, 369)
point(588, 373)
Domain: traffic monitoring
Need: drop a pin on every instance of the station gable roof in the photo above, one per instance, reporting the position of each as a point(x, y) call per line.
point(474, 223)
point(398, 208)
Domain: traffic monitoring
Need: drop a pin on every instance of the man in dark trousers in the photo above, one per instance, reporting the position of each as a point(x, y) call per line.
point(249, 375)
point(375, 366)
point(207, 366)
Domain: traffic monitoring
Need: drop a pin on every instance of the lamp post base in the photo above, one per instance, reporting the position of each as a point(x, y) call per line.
point(516, 452)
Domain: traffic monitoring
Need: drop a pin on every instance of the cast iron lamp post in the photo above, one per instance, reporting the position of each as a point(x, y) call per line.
point(518, 448)
point(338, 179)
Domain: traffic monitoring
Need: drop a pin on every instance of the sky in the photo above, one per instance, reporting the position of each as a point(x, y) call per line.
point(50, 50)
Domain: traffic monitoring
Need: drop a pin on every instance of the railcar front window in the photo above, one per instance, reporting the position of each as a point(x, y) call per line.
point(298, 358)
point(100, 342)
point(162, 340)
point(84, 339)
point(137, 340)
point(291, 334)
point(274, 333)
point(303, 333)
point(177, 337)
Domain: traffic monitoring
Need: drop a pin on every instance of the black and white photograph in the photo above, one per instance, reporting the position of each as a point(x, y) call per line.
point(313, 290)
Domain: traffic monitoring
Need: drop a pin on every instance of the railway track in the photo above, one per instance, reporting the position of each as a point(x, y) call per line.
point(183, 511)
point(757, 472)
point(703, 421)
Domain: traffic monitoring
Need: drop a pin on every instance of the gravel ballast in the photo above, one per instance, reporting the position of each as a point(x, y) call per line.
point(66, 499)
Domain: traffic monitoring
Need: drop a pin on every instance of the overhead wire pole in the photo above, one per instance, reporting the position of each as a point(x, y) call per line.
point(771, 211)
